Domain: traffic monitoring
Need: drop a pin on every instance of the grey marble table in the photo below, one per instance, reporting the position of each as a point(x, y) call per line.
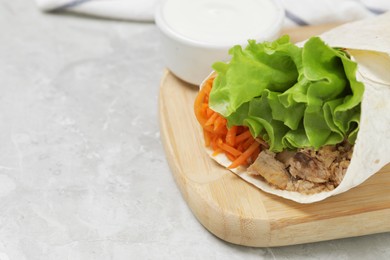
point(83, 174)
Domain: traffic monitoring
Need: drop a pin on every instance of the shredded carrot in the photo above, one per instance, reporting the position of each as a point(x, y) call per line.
point(235, 142)
point(212, 119)
point(248, 142)
point(228, 148)
point(207, 137)
point(230, 157)
point(243, 158)
point(231, 135)
point(243, 136)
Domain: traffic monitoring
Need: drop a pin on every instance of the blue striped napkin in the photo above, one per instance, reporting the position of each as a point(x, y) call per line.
point(298, 12)
point(136, 10)
point(309, 12)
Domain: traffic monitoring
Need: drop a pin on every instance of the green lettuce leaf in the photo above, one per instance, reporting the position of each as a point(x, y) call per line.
point(292, 97)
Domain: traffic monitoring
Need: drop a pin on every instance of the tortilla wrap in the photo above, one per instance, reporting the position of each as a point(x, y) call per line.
point(368, 43)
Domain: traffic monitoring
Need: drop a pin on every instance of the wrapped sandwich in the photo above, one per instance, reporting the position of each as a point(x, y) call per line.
point(303, 121)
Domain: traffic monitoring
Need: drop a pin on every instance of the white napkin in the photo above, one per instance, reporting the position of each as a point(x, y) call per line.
point(298, 12)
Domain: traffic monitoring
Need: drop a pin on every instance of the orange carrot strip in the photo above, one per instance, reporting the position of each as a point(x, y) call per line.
point(199, 100)
point(242, 137)
point(215, 142)
point(212, 119)
point(207, 138)
point(242, 159)
point(228, 148)
point(209, 112)
point(221, 130)
point(216, 152)
point(230, 157)
point(203, 110)
point(219, 122)
point(208, 128)
point(231, 135)
point(240, 148)
point(248, 143)
point(241, 129)
point(198, 104)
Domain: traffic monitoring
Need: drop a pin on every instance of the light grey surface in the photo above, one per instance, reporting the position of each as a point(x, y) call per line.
point(83, 173)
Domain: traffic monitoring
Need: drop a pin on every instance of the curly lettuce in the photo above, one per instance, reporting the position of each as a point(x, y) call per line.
point(292, 97)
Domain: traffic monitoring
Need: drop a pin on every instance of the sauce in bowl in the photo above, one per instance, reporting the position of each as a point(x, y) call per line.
point(222, 22)
point(197, 33)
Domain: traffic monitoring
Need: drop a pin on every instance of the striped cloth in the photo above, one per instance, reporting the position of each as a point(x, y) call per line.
point(298, 12)
point(135, 10)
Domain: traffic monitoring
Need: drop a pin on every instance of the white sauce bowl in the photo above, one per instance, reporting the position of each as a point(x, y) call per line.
point(197, 33)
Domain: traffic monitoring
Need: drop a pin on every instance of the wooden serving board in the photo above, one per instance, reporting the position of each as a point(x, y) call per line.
point(240, 213)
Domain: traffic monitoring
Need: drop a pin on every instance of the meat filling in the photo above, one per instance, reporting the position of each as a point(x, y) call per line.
point(305, 170)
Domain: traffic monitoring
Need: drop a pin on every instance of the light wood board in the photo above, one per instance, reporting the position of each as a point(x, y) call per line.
point(240, 213)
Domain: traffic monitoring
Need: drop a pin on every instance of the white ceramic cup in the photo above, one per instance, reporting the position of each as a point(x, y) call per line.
point(191, 59)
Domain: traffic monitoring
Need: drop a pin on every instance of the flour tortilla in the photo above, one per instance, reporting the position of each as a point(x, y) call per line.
point(368, 43)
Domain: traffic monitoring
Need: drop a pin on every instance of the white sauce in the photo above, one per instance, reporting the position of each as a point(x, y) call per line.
point(220, 21)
